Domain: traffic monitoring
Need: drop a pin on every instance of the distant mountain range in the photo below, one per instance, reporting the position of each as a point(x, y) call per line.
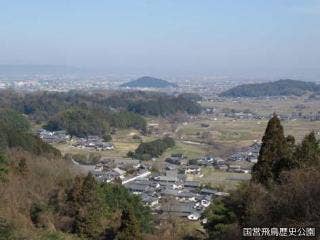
point(149, 82)
point(284, 87)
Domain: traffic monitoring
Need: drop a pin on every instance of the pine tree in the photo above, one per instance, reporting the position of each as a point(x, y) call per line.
point(129, 229)
point(307, 154)
point(3, 167)
point(274, 154)
point(89, 209)
point(89, 189)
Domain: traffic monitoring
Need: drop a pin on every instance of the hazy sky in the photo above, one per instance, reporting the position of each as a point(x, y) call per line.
point(264, 38)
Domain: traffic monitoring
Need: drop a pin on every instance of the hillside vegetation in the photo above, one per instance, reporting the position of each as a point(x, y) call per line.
point(82, 122)
point(94, 114)
point(40, 197)
point(286, 87)
point(15, 133)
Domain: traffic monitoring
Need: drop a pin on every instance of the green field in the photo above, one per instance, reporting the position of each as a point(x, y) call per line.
point(226, 135)
point(224, 181)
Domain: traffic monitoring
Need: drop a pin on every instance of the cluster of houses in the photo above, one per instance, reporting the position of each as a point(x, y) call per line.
point(240, 162)
point(90, 142)
point(312, 116)
point(171, 194)
point(53, 137)
point(121, 170)
point(250, 154)
point(232, 113)
point(168, 193)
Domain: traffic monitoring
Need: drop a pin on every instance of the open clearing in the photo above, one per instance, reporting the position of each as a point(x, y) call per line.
point(226, 135)
point(224, 181)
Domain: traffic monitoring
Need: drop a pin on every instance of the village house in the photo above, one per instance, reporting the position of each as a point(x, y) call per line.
point(180, 209)
point(206, 161)
point(192, 169)
point(149, 200)
point(177, 159)
point(207, 191)
point(92, 142)
point(121, 172)
point(105, 176)
point(54, 136)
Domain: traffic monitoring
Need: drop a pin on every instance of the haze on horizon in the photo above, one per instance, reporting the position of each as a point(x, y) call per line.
point(267, 39)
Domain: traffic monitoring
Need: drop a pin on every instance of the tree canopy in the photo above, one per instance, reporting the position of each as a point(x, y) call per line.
point(41, 106)
point(15, 133)
point(148, 150)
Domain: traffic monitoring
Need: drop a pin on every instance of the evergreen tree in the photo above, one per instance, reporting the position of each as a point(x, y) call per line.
point(291, 142)
point(3, 167)
point(90, 211)
point(129, 229)
point(273, 156)
point(220, 220)
point(307, 154)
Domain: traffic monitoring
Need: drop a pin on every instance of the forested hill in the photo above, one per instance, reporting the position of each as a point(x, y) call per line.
point(148, 82)
point(83, 114)
point(15, 133)
point(41, 198)
point(284, 87)
point(43, 105)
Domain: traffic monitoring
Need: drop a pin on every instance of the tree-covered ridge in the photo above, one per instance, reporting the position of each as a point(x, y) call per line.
point(128, 101)
point(84, 114)
point(15, 133)
point(164, 106)
point(284, 190)
point(148, 150)
point(82, 122)
point(41, 199)
point(148, 82)
point(285, 87)
point(79, 122)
